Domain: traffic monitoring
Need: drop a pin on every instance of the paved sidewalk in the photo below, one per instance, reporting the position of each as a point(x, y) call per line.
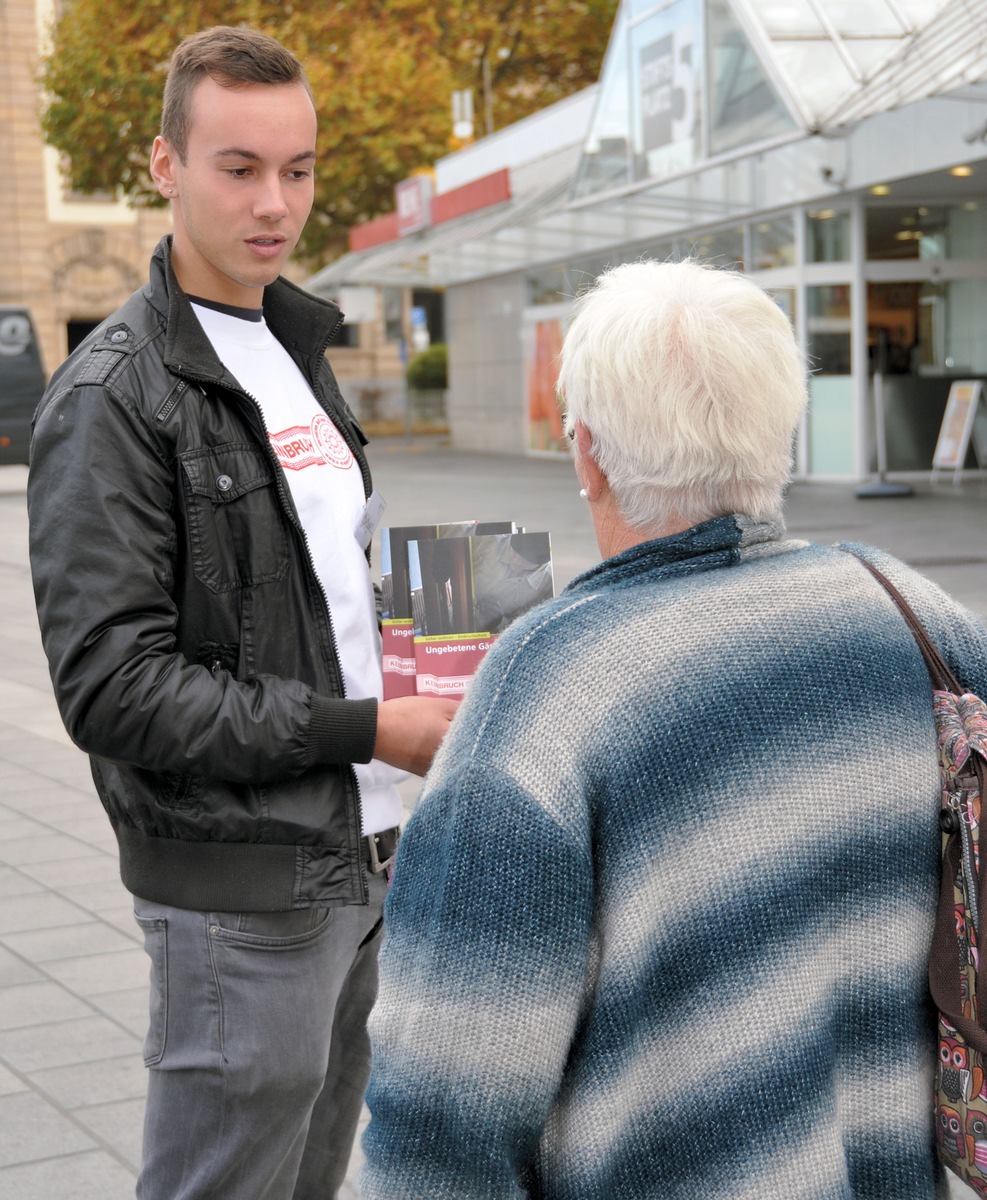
point(73, 980)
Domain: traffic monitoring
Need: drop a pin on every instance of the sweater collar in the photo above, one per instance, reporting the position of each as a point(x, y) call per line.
point(721, 541)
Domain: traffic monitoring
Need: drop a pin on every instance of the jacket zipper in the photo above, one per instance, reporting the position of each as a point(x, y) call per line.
point(287, 508)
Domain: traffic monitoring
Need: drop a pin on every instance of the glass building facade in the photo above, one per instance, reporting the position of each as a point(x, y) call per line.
point(834, 149)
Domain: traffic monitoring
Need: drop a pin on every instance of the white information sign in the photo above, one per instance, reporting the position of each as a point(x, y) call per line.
point(965, 418)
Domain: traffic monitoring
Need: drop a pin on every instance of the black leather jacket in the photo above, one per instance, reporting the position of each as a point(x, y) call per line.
point(189, 641)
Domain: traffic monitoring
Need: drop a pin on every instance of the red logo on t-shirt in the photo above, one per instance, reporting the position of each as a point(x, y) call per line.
point(318, 446)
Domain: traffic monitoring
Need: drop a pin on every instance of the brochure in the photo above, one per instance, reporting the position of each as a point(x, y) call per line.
point(400, 598)
point(470, 589)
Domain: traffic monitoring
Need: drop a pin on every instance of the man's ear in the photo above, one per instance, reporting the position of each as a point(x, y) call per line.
point(162, 167)
point(591, 477)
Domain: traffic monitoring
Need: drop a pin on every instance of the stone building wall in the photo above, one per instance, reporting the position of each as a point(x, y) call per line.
point(73, 259)
point(65, 258)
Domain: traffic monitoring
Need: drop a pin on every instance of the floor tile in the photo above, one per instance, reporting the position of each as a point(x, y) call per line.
point(122, 918)
point(39, 910)
point(17, 825)
point(92, 866)
point(68, 941)
point(39, 1004)
point(95, 897)
point(30, 1129)
point(94, 974)
point(52, 848)
point(13, 882)
point(67, 1042)
point(95, 1175)
point(128, 1008)
point(120, 1125)
point(10, 1083)
point(15, 971)
point(103, 1082)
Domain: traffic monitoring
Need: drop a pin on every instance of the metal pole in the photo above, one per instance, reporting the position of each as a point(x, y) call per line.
point(881, 486)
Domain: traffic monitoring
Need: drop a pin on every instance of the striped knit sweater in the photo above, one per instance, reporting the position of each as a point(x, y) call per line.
point(660, 923)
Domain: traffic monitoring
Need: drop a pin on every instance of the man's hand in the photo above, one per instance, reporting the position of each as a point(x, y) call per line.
point(409, 730)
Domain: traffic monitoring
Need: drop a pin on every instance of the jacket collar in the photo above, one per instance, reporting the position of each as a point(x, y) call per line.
point(301, 322)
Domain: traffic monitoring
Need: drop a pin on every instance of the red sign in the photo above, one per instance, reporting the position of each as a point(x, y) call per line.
point(414, 204)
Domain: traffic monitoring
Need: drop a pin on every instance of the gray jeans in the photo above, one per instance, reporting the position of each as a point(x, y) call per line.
point(257, 1049)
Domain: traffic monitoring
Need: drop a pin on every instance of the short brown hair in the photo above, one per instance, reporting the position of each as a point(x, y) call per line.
point(234, 57)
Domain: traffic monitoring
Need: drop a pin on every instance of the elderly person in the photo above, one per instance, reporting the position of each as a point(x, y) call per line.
point(660, 925)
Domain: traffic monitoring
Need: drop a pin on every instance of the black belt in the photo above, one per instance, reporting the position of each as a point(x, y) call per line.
point(381, 848)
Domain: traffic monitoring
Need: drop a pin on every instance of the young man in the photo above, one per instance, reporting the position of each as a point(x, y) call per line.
point(201, 510)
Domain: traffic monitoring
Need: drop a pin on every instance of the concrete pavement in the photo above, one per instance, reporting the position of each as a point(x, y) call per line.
point(73, 979)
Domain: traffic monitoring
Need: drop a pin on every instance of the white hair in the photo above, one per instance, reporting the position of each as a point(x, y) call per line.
point(691, 385)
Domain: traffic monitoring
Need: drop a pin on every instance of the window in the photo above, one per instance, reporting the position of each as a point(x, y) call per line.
point(827, 235)
point(773, 243)
point(724, 248)
point(926, 232)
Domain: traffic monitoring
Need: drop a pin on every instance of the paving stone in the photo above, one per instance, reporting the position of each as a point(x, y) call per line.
point(14, 971)
point(51, 848)
point(103, 1082)
point(10, 1083)
point(64, 1043)
point(122, 918)
point(38, 1004)
point(120, 1125)
point(69, 941)
point(95, 1175)
point(94, 974)
point(31, 1128)
point(97, 896)
point(14, 826)
point(128, 1007)
point(45, 800)
point(92, 828)
point(12, 774)
point(68, 767)
point(54, 757)
point(92, 866)
point(13, 882)
point(39, 910)
point(65, 807)
point(63, 780)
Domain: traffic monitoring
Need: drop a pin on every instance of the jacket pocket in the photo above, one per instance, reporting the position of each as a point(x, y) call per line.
point(237, 535)
point(179, 792)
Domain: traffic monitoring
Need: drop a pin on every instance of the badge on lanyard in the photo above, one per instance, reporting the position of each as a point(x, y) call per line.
point(370, 519)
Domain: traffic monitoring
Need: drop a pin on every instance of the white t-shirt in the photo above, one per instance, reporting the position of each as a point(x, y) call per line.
point(327, 488)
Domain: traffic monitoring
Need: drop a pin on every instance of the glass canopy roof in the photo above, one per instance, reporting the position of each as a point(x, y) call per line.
point(704, 113)
point(685, 81)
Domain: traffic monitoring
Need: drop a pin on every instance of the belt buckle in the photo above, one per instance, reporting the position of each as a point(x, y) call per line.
point(388, 839)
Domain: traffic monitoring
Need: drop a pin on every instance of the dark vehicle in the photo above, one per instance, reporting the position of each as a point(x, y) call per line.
point(22, 381)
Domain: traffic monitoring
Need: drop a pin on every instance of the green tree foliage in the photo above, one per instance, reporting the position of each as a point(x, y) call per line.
point(382, 74)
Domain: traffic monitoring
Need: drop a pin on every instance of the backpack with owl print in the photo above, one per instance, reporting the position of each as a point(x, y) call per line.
point(954, 962)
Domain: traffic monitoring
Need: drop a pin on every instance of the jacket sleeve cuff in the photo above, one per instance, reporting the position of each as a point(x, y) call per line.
point(342, 731)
